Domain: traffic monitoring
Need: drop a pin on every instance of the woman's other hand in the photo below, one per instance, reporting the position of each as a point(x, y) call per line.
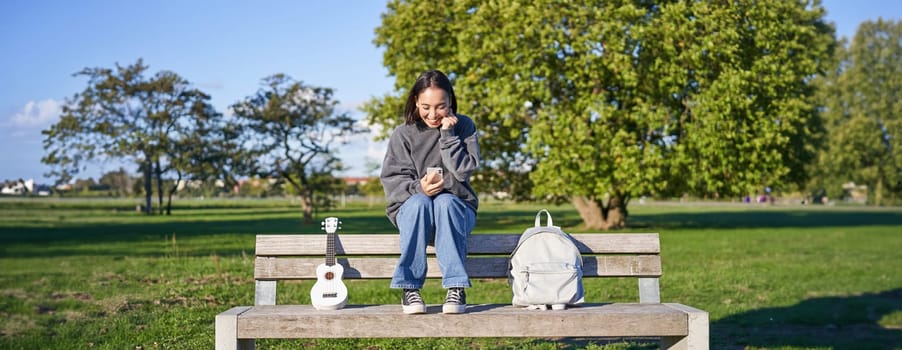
point(432, 183)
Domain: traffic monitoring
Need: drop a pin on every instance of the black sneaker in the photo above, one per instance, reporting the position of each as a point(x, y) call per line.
point(455, 301)
point(412, 302)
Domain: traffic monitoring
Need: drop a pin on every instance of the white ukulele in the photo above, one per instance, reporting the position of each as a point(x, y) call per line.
point(329, 292)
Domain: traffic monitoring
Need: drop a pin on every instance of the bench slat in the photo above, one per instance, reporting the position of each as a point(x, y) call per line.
point(369, 321)
point(370, 244)
point(269, 268)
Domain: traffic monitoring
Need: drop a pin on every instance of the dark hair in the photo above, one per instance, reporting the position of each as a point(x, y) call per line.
point(431, 78)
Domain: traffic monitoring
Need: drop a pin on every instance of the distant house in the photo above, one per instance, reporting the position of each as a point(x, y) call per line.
point(12, 190)
point(42, 190)
point(18, 188)
point(193, 184)
point(356, 180)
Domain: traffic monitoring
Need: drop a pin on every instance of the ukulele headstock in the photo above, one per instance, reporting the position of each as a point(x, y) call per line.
point(331, 225)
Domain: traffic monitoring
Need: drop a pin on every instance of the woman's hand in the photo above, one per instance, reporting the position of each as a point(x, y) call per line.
point(432, 183)
point(449, 121)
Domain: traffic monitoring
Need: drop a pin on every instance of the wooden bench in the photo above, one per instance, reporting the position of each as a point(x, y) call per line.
point(292, 257)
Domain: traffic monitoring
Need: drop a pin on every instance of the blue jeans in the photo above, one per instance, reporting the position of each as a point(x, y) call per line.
point(447, 221)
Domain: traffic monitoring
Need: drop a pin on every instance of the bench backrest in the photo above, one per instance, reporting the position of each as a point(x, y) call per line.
point(371, 256)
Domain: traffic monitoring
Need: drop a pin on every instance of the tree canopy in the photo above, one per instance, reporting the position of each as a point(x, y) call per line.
point(288, 131)
point(603, 101)
point(124, 115)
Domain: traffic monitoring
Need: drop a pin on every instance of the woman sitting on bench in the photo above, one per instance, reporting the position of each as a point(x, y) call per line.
point(426, 177)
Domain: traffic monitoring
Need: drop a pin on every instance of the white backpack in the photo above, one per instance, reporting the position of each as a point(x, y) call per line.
point(546, 268)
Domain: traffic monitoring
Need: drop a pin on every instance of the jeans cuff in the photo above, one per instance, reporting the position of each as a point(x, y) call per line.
point(404, 286)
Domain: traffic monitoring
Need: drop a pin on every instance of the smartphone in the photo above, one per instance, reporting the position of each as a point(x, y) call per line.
point(435, 170)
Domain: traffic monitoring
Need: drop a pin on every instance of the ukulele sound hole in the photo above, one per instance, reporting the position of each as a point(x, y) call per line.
point(330, 275)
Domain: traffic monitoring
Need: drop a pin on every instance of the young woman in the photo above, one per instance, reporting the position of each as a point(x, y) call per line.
point(426, 176)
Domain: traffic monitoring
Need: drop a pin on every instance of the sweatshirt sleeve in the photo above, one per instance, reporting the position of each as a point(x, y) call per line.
point(460, 150)
point(399, 176)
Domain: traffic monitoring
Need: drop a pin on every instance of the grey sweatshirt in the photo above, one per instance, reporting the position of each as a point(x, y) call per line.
point(414, 147)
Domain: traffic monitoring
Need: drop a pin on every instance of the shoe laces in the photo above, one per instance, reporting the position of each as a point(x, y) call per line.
point(412, 296)
point(455, 296)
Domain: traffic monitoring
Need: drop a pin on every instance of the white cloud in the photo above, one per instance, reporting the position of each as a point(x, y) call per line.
point(36, 114)
point(376, 150)
point(360, 150)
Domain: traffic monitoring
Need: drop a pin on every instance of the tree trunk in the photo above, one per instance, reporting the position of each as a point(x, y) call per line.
point(307, 205)
point(146, 168)
point(159, 175)
point(878, 191)
point(306, 194)
point(596, 215)
point(172, 190)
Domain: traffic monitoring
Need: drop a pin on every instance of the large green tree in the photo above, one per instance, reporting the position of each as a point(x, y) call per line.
point(124, 115)
point(599, 102)
point(289, 129)
point(863, 114)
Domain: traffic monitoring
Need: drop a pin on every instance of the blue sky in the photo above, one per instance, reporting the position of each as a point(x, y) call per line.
point(222, 47)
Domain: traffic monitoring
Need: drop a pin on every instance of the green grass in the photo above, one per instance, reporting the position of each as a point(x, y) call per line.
point(93, 273)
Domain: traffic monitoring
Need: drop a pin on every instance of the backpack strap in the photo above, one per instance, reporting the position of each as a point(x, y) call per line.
point(539, 228)
point(549, 222)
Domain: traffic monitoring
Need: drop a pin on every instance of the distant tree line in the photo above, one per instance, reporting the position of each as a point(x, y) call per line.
point(860, 104)
point(121, 183)
point(286, 131)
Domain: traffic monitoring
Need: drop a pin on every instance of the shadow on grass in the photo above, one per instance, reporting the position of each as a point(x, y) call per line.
point(59, 236)
point(767, 219)
point(515, 221)
point(825, 322)
point(212, 229)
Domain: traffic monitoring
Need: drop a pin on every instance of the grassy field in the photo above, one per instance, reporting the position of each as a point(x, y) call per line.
point(77, 274)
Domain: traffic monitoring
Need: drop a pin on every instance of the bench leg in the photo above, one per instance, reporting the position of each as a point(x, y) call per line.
point(227, 331)
point(698, 331)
